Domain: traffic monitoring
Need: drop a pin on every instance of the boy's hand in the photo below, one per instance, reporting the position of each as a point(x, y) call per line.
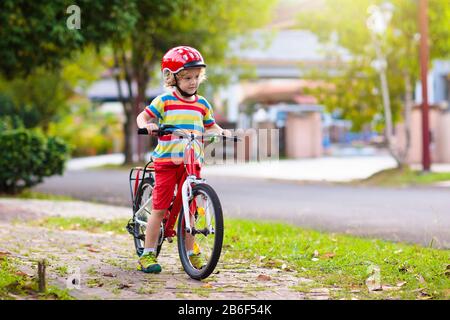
point(150, 127)
point(226, 133)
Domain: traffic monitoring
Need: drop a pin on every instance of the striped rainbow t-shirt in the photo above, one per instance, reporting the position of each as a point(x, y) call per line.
point(194, 116)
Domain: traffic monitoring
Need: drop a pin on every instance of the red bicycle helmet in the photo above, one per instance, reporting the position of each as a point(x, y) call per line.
point(180, 58)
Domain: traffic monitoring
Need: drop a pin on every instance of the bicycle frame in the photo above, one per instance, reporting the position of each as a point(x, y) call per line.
point(190, 177)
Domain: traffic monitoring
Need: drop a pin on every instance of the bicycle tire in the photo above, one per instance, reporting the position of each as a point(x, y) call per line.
point(199, 274)
point(139, 232)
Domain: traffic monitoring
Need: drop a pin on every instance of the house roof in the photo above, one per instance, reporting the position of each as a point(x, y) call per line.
point(293, 46)
point(105, 90)
point(270, 91)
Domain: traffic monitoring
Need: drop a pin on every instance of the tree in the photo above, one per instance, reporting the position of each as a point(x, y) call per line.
point(206, 25)
point(42, 96)
point(34, 34)
point(355, 87)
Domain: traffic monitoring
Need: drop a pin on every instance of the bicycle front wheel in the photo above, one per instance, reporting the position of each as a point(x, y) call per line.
point(200, 252)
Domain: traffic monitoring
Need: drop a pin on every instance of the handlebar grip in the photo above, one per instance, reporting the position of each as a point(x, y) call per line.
point(234, 138)
point(142, 131)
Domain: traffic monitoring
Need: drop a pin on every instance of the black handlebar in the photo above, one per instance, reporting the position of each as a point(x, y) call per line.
point(165, 129)
point(142, 131)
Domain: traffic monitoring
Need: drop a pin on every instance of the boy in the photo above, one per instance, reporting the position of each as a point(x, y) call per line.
point(183, 70)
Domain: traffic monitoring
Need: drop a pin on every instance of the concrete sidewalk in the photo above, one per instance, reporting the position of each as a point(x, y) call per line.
point(327, 169)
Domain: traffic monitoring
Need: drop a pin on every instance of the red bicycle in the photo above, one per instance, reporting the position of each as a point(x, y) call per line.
point(195, 206)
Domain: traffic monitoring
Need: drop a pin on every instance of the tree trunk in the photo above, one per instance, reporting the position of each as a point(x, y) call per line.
point(130, 114)
point(128, 146)
point(140, 68)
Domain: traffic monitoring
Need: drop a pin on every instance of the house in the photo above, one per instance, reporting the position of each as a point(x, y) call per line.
point(280, 61)
point(439, 117)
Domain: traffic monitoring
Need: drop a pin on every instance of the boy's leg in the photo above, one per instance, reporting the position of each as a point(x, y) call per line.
point(152, 231)
point(165, 180)
point(162, 195)
point(148, 262)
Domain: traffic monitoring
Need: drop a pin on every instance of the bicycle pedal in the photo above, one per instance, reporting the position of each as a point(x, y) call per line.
point(130, 227)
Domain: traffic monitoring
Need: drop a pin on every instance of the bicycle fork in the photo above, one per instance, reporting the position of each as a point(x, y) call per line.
point(186, 192)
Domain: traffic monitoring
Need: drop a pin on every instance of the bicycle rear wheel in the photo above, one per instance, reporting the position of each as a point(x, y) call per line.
point(144, 193)
point(208, 235)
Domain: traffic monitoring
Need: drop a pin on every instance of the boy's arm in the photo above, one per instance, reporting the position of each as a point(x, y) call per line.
point(215, 128)
point(143, 120)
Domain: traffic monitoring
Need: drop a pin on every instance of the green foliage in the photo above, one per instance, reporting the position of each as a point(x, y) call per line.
point(35, 34)
point(89, 132)
point(35, 99)
point(354, 87)
point(27, 157)
point(206, 25)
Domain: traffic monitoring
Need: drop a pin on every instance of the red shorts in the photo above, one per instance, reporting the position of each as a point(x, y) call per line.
point(167, 177)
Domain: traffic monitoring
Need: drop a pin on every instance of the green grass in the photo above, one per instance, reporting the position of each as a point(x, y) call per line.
point(331, 260)
point(341, 261)
point(403, 177)
point(28, 194)
point(79, 223)
point(14, 283)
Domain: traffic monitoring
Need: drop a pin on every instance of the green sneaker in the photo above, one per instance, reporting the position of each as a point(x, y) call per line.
point(197, 260)
point(148, 263)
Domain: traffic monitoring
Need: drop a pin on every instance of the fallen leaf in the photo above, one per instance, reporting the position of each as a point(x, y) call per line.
point(93, 250)
point(264, 277)
point(390, 288)
point(373, 283)
point(314, 259)
point(21, 274)
point(109, 275)
point(447, 271)
point(423, 295)
point(421, 279)
point(401, 284)
point(261, 258)
point(329, 255)
point(3, 254)
point(124, 285)
point(447, 293)
point(207, 285)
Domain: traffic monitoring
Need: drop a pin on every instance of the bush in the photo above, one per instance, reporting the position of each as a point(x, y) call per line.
point(28, 157)
point(89, 132)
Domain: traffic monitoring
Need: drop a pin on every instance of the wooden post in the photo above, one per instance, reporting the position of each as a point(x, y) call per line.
point(424, 56)
point(41, 275)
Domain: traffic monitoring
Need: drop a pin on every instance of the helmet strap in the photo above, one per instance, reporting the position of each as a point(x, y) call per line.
point(183, 93)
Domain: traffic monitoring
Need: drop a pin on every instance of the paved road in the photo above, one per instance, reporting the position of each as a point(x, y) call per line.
point(415, 215)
